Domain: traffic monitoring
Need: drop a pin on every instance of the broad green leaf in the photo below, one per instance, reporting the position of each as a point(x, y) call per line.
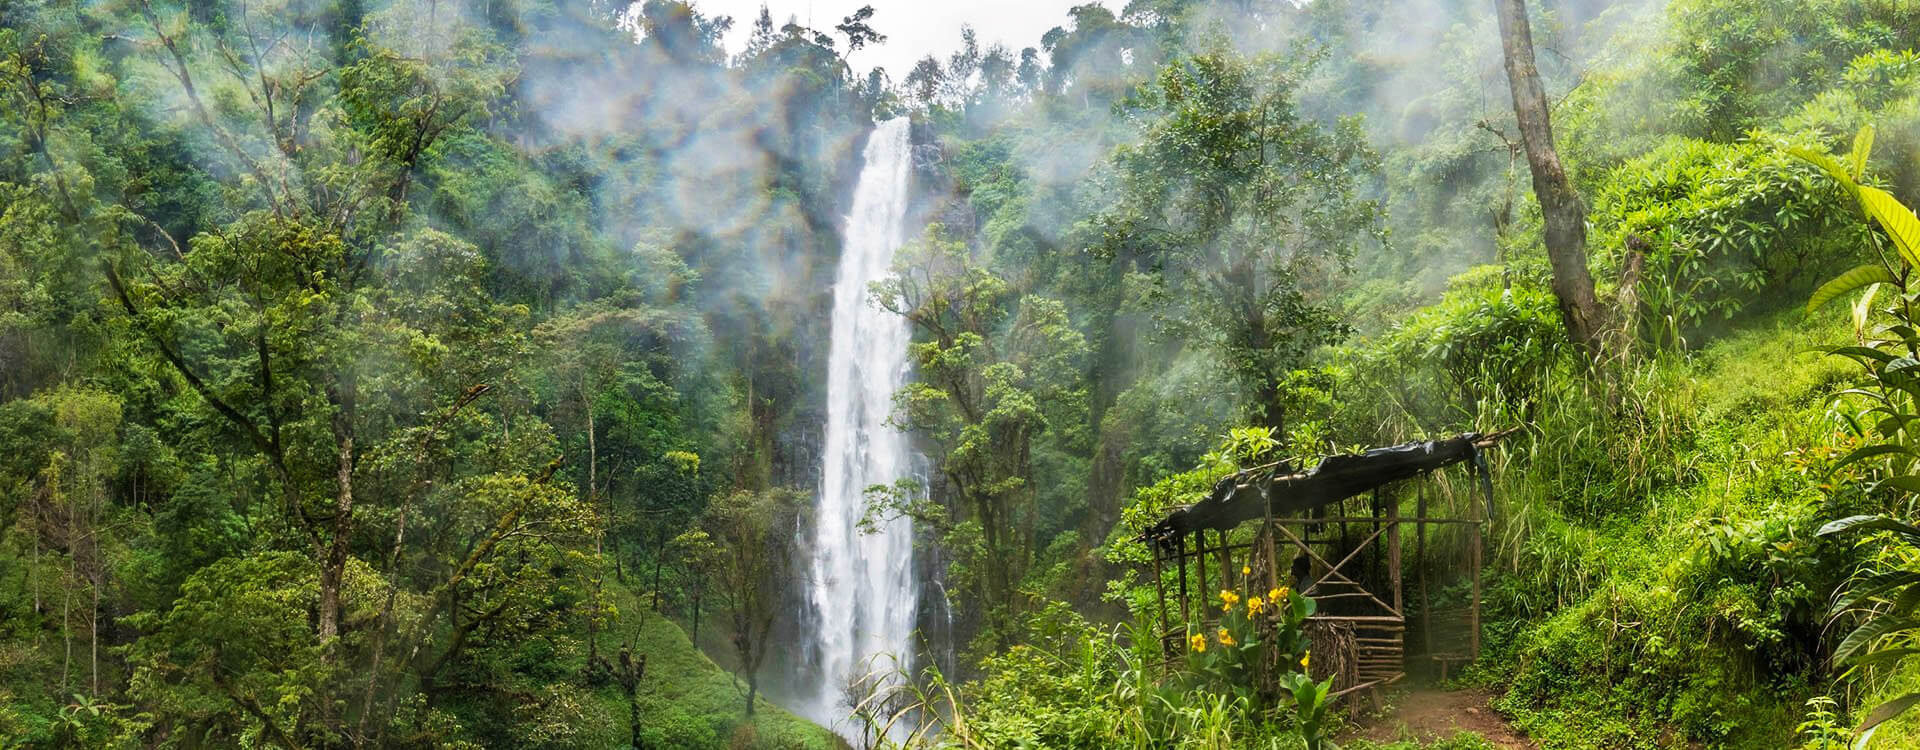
point(1827, 164)
point(1861, 454)
point(1873, 586)
point(1861, 351)
point(1893, 423)
point(1860, 276)
point(1904, 482)
point(1888, 710)
point(1872, 630)
point(1866, 523)
point(1885, 656)
point(1862, 145)
point(1863, 307)
point(1901, 225)
point(1864, 393)
point(1907, 382)
point(1902, 366)
point(1904, 603)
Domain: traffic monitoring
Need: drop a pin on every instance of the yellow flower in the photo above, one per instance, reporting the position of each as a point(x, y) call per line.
point(1198, 642)
point(1246, 571)
point(1227, 600)
point(1226, 638)
point(1253, 605)
point(1275, 595)
point(1304, 659)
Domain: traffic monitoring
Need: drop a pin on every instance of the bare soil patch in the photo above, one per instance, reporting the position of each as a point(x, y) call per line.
point(1427, 714)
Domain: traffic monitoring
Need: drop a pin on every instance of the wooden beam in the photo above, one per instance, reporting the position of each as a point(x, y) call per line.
point(1474, 609)
point(1200, 565)
point(1185, 616)
point(1360, 519)
point(1393, 553)
point(1273, 554)
point(1226, 562)
point(1263, 491)
point(1420, 567)
point(1160, 589)
point(1333, 571)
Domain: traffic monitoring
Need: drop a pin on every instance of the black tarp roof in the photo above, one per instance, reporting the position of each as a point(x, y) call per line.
point(1275, 490)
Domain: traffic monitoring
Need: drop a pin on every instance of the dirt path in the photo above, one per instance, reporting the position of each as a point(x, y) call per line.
point(1427, 715)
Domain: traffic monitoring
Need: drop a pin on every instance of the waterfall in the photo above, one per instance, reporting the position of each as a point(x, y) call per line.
point(861, 589)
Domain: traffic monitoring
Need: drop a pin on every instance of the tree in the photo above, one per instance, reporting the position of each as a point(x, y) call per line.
point(1242, 214)
point(332, 345)
point(926, 82)
point(701, 558)
point(56, 485)
point(762, 37)
point(1081, 59)
point(961, 65)
point(752, 533)
point(858, 32)
point(1565, 217)
point(993, 371)
point(284, 246)
point(282, 293)
point(222, 658)
point(682, 33)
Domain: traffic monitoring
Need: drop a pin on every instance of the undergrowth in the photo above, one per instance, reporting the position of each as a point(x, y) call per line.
point(1656, 566)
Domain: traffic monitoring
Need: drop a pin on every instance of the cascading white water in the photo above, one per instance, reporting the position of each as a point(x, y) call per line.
point(862, 590)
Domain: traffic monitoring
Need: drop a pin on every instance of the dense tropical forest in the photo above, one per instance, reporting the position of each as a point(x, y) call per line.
point(473, 373)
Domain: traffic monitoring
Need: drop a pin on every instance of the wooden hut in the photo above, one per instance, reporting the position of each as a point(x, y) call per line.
point(1334, 533)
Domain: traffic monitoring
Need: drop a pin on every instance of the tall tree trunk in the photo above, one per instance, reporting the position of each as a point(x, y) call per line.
point(1272, 414)
point(66, 610)
point(659, 558)
point(93, 620)
point(1566, 218)
point(1111, 375)
point(600, 528)
point(333, 568)
point(1106, 477)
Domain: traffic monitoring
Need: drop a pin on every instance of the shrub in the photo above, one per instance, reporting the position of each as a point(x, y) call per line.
point(1881, 89)
point(1483, 345)
point(1718, 226)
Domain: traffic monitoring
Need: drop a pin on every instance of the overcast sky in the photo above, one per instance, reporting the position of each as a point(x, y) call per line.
point(914, 28)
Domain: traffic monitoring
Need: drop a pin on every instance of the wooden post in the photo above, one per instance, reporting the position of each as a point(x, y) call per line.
point(1180, 542)
point(1420, 567)
point(1226, 563)
point(1474, 609)
point(1374, 563)
point(1200, 565)
point(1393, 554)
point(1273, 555)
point(1160, 590)
point(1344, 541)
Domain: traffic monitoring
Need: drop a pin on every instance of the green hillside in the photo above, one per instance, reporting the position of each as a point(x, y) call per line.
point(688, 701)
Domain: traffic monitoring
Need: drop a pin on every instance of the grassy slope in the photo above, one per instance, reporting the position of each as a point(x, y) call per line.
point(1656, 641)
point(688, 701)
